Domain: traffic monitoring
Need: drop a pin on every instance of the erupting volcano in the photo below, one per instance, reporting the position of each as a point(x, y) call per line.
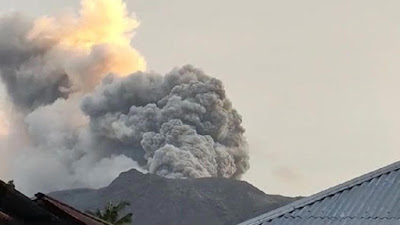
point(84, 109)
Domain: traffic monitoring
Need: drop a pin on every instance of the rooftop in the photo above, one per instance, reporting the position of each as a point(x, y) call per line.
point(373, 198)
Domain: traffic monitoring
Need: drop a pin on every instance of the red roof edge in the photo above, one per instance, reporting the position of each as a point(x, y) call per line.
point(85, 218)
point(5, 217)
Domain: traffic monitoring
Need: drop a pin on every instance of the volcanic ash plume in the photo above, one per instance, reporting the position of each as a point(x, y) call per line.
point(49, 58)
point(84, 110)
point(3, 125)
point(181, 123)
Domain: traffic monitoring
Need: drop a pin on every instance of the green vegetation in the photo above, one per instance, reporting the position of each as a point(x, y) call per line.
point(11, 184)
point(111, 214)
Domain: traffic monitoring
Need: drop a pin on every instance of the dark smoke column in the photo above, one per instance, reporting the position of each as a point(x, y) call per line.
point(180, 125)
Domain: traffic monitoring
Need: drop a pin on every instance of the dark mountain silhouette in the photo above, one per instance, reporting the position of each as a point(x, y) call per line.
point(159, 201)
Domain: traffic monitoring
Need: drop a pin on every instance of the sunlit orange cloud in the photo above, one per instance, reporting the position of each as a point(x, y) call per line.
point(100, 22)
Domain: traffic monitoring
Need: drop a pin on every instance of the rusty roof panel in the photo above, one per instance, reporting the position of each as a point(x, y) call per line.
point(83, 218)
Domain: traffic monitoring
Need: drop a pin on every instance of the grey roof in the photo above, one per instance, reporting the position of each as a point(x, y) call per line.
point(370, 199)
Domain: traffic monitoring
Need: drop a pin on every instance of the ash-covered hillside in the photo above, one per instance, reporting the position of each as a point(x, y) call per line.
point(160, 201)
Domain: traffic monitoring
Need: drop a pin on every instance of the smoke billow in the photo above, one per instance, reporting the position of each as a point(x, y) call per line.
point(83, 110)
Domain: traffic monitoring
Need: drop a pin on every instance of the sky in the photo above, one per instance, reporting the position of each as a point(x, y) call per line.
point(316, 81)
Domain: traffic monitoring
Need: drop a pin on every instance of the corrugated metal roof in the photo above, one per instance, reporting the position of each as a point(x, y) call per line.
point(83, 218)
point(372, 199)
point(18, 207)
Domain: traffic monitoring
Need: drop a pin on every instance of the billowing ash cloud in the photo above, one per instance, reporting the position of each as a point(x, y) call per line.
point(78, 119)
point(44, 59)
point(30, 81)
point(182, 124)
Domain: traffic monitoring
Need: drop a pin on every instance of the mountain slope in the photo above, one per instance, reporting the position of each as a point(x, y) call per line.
point(159, 201)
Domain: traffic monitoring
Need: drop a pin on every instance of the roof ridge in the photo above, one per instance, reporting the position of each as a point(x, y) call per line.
point(41, 195)
point(343, 217)
point(323, 194)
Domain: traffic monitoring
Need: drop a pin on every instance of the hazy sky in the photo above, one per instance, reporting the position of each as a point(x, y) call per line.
point(316, 81)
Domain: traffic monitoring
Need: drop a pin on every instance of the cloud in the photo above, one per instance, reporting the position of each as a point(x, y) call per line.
point(84, 109)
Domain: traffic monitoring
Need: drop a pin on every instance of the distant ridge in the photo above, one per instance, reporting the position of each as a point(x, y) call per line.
point(159, 201)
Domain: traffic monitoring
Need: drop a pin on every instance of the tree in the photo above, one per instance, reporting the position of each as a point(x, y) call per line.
point(111, 212)
point(11, 184)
